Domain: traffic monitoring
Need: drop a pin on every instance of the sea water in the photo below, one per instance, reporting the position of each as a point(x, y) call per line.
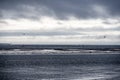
point(60, 67)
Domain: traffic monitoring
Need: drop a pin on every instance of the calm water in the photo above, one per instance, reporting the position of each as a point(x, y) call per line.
point(60, 67)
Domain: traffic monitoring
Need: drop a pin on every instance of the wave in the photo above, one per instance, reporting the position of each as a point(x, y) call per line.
point(55, 52)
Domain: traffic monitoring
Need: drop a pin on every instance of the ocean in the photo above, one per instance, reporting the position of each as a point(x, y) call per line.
point(60, 64)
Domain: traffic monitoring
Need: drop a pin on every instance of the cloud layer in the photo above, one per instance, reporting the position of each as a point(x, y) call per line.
point(59, 8)
point(60, 21)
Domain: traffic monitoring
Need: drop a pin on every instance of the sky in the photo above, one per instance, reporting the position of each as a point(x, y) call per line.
point(60, 22)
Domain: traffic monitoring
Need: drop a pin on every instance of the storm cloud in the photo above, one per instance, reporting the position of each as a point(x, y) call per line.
point(60, 21)
point(61, 9)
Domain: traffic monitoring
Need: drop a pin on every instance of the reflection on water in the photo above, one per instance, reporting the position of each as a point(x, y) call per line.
point(60, 67)
point(61, 72)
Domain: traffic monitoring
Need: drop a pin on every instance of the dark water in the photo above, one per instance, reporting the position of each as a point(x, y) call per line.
point(60, 67)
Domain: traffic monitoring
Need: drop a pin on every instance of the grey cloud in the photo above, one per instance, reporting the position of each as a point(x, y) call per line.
point(96, 29)
point(61, 9)
point(3, 22)
point(112, 5)
point(66, 34)
point(22, 9)
point(109, 22)
point(38, 33)
point(116, 29)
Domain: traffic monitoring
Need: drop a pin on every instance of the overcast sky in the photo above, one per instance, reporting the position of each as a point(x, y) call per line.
point(60, 21)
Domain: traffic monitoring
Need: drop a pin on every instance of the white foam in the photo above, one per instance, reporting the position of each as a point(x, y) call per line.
point(52, 51)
